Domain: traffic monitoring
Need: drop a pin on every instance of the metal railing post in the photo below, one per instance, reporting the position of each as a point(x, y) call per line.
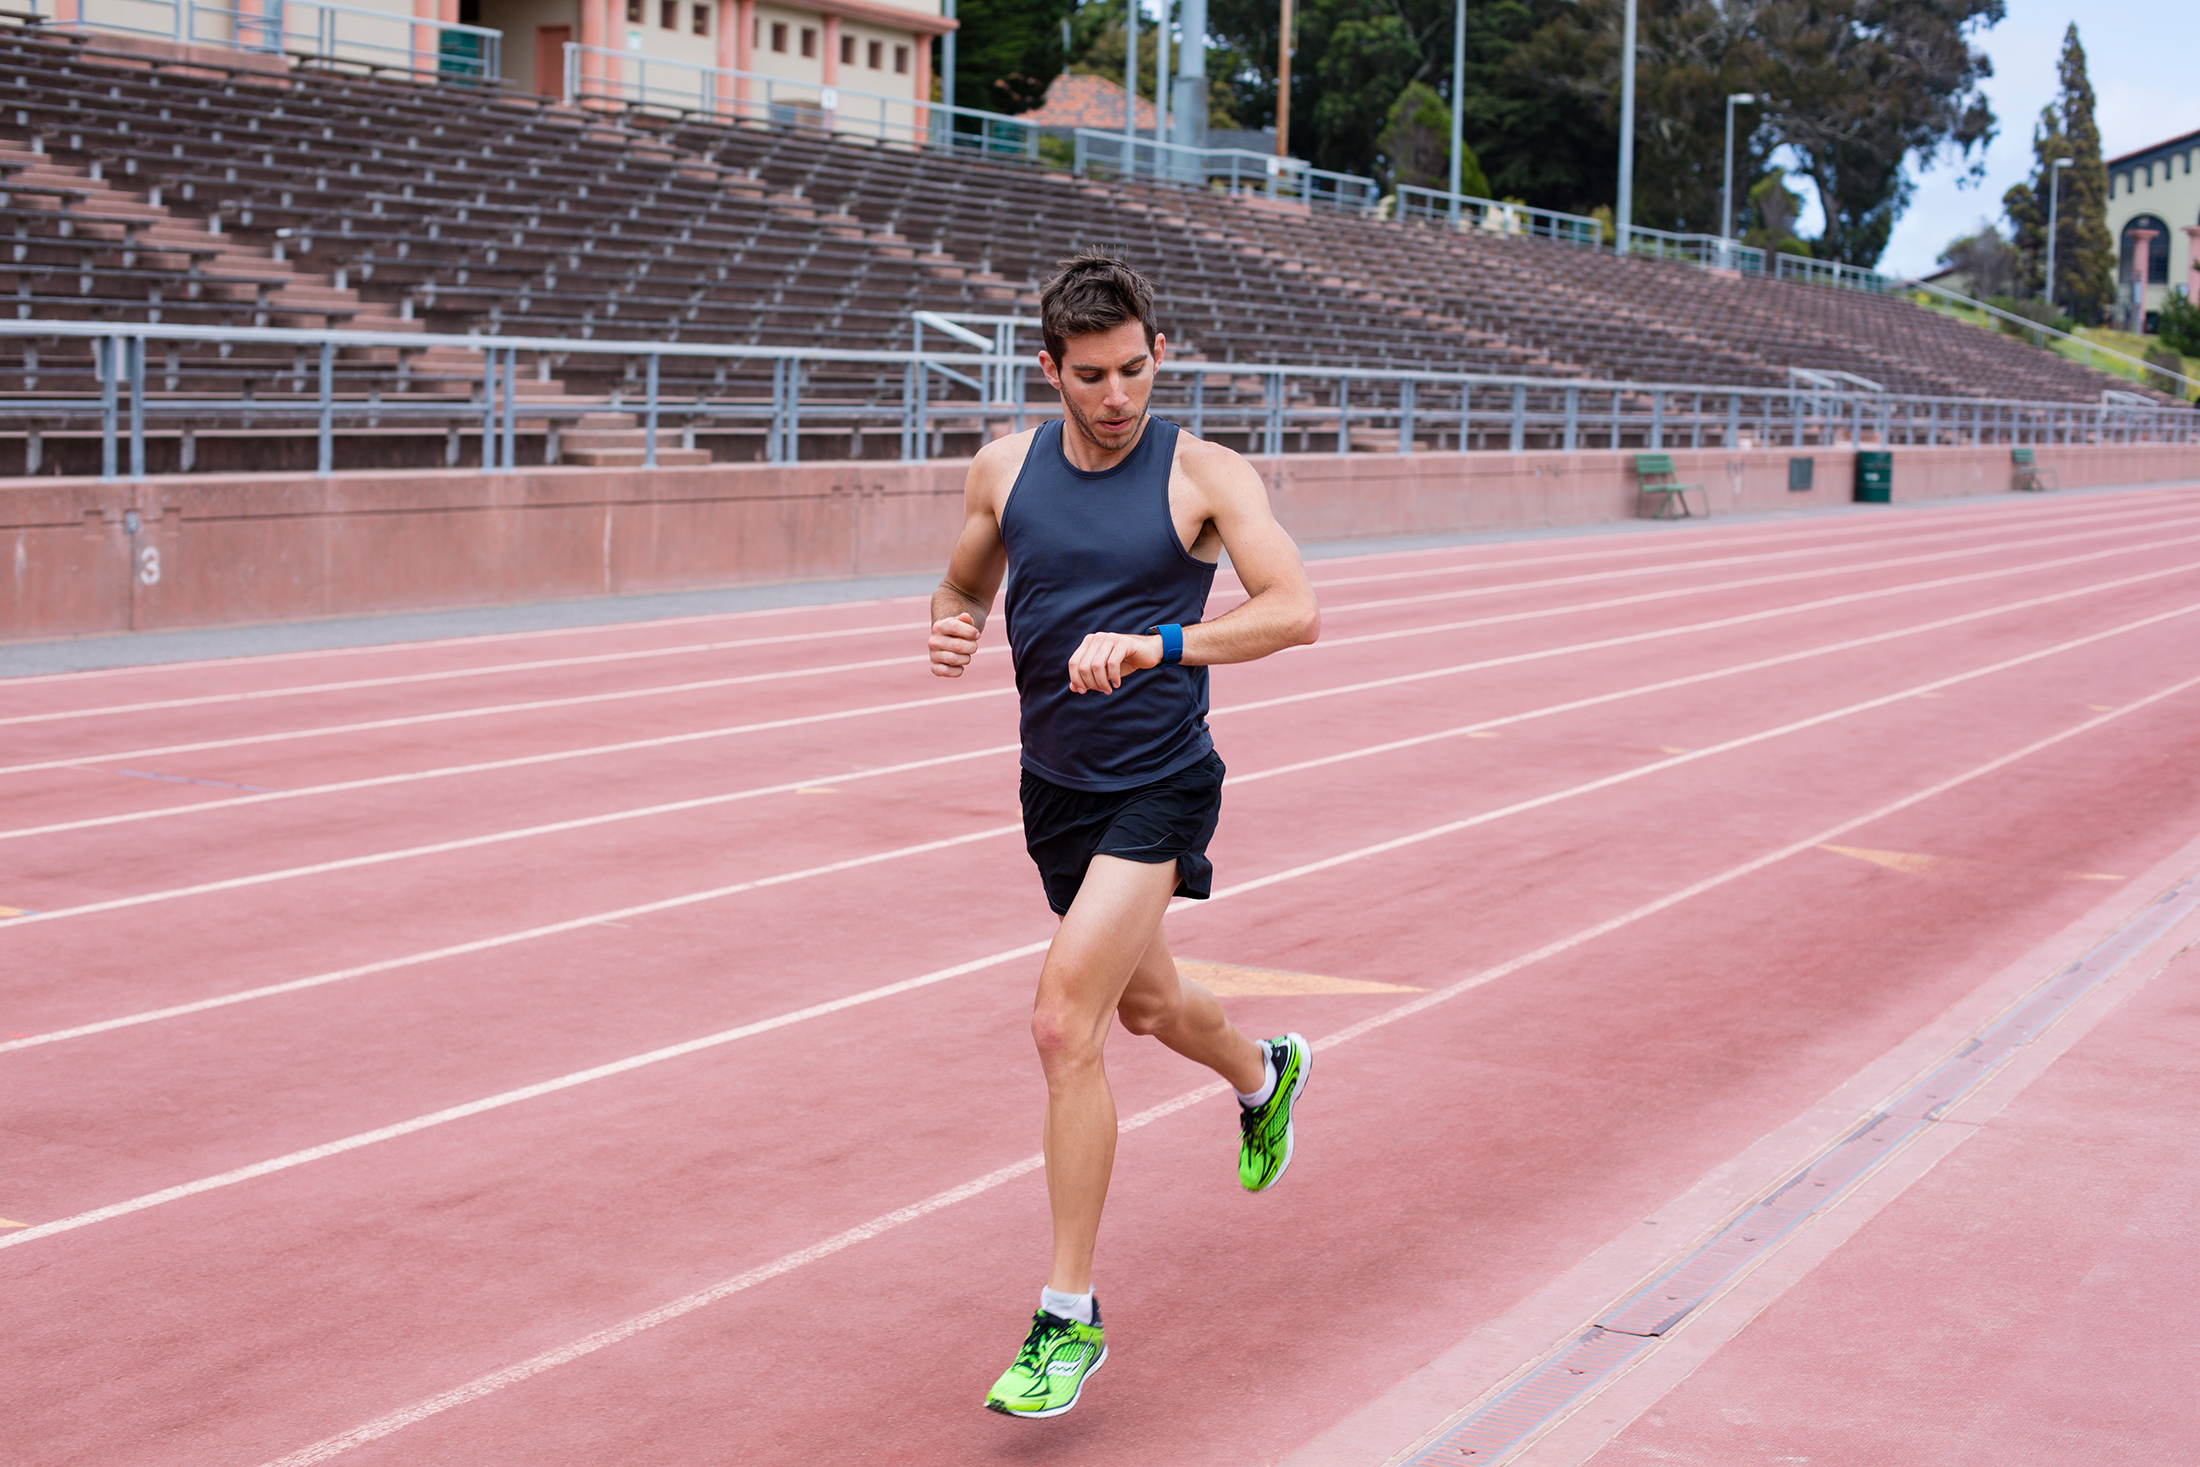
point(1275, 413)
point(1657, 418)
point(1344, 414)
point(488, 408)
point(510, 455)
point(1405, 415)
point(134, 349)
point(1199, 404)
point(1733, 422)
point(773, 434)
point(794, 411)
point(908, 410)
point(649, 413)
point(1573, 417)
point(1519, 417)
point(106, 350)
point(325, 447)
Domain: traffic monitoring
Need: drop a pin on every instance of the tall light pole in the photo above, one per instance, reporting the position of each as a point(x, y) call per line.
point(1188, 111)
point(1626, 220)
point(1161, 80)
point(1283, 86)
point(1130, 88)
point(1726, 191)
point(1458, 123)
point(2054, 196)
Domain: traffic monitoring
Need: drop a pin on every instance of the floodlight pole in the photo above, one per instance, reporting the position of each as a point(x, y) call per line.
point(1283, 85)
point(2054, 196)
point(1161, 82)
point(1188, 114)
point(1458, 123)
point(1624, 223)
point(1726, 193)
point(1130, 88)
point(947, 74)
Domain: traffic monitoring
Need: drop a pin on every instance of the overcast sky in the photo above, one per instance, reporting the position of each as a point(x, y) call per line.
point(2141, 56)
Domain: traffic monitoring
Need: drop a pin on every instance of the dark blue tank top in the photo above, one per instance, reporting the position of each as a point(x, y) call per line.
point(1098, 552)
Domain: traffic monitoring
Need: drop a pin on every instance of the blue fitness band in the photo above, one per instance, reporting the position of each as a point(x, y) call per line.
point(1172, 642)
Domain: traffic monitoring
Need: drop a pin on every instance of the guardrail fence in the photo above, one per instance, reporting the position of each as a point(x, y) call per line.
point(321, 30)
point(1118, 155)
point(131, 386)
point(601, 76)
point(1494, 216)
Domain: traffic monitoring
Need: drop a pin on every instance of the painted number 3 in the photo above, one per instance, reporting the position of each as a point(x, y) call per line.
point(149, 566)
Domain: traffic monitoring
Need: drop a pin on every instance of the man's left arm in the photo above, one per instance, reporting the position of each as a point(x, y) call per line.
point(1280, 610)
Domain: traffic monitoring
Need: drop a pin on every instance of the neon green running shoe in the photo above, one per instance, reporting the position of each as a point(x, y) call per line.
point(1058, 1357)
point(1264, 1131)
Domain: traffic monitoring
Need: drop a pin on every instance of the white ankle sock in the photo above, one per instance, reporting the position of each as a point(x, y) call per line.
point(1067, 1306)
point(1267, 1084)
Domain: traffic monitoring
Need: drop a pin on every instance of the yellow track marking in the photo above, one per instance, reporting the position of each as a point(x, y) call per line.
point(1230, 981)
point(1908, 862)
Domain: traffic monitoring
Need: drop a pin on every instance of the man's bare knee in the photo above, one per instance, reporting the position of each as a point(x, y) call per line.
point(1064, 1037)
point(1148, 1013)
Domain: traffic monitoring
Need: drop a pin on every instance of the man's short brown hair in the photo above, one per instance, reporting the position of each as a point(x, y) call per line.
point(1092, 291)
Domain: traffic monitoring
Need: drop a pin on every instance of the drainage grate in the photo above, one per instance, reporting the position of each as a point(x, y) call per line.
point(1506, 1422)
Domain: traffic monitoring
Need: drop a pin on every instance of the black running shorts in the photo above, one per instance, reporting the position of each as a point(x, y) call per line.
point(1171, 819)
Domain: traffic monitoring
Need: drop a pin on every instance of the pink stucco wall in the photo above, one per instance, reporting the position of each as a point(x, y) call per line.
point(260, 548)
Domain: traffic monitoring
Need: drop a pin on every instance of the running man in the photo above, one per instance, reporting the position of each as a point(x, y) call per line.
point(1108, 525)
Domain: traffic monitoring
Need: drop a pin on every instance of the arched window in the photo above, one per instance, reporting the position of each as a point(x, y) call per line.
point(2157, 251)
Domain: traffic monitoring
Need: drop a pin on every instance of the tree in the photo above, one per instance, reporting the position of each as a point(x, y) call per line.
point(1987, 259)
point(2085, 262)
point(1774, 208)
point(1008, 51)
point(1865, 85)
point(1416, 144)
point(2179, 329)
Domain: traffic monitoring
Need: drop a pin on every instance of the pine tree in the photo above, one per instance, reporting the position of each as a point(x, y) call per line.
point(2085, 262)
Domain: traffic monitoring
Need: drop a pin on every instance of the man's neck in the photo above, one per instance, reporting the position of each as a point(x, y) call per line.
point(1090, 457)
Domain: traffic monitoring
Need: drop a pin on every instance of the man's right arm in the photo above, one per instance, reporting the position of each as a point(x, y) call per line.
point(965, 597)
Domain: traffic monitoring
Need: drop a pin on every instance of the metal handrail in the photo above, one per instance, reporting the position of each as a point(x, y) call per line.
point(1329, 403)
point(730, 95)
point(1243, 170)
point(1496, 216)
point(2043, 329)
point(477, 54)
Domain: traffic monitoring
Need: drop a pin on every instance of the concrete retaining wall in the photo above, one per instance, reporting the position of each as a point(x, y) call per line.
point(212, 550)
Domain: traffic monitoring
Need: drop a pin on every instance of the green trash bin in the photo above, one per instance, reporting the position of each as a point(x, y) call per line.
point(1875, 477)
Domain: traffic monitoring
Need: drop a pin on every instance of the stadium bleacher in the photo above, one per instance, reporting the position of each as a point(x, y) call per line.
point(143, 190)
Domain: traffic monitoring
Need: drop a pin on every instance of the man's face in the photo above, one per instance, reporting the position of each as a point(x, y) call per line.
point(1105, 380)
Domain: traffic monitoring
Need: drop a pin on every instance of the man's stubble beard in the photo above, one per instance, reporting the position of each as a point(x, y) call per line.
point(1092, 434)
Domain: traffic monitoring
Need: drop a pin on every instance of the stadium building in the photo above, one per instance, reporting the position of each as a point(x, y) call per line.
point(2154, 217)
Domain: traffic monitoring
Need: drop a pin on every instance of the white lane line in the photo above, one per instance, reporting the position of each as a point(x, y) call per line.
point(165, 812)
point(530, 934)
point(520, 761)
point(1657, 634)
point(1780, 578)
point(262, 695)
point(692, 1046)
point(511, 1375)
point(1983, 517)
point(541, 704)
point(448, 674)
point(587, 822)
point(2139, 512)
point(410, 720)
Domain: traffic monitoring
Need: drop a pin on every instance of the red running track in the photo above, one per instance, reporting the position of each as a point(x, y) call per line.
point(610, 1045)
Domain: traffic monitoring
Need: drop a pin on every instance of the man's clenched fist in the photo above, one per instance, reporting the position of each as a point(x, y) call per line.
point(954, 642)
